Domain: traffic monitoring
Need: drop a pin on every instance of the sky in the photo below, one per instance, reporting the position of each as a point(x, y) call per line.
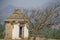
point(26, 3)
point(6, 6)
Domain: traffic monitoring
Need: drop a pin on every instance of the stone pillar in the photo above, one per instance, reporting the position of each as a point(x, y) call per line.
point(15, 31)
point(22, 31)
point(26, 33)
point(8, 30)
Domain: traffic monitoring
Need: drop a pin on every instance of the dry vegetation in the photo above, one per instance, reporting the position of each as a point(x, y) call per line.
point(39, 19)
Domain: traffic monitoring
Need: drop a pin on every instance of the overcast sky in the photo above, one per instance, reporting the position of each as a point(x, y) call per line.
point(26, 3)
point(4, 4)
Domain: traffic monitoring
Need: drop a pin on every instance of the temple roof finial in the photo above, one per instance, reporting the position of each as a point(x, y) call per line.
point(16, 10)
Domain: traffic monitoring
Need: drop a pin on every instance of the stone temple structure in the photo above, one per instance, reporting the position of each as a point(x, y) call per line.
point(16, 25)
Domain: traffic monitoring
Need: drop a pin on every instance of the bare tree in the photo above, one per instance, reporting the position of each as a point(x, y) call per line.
point(39, 19)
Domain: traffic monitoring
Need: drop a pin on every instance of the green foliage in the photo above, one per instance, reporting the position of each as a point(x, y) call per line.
point(56, 33)
point(2, 31)
point(48, 32)
point(2, 35)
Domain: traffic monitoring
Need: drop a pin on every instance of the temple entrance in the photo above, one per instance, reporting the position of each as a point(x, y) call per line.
point(20, 32)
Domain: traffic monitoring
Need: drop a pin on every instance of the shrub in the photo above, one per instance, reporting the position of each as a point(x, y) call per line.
point(48, 32)
point(2, 31)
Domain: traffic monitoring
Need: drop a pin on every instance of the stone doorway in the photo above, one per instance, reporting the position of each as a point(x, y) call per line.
point(20, 31)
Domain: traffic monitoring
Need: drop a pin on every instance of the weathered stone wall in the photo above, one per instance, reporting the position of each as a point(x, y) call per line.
point(8, 30)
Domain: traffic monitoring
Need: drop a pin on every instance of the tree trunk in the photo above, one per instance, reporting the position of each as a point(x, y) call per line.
point(29, 38)
point(35, 34)
point(34, 37)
